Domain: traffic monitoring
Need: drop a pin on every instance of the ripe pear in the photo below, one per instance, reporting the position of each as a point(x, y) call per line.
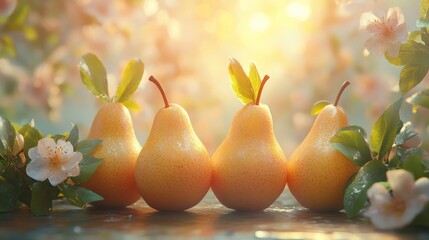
point(318, 173)
point(114, 178)
point(249, 167)
point(173, 171)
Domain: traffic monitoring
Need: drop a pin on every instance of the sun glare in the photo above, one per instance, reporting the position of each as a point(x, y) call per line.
point(298, 10)
point(259, 22)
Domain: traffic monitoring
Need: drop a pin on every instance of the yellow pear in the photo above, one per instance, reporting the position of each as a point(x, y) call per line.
point(114, 179)
point(173, 171)
point(249, 167)
point(317, 172)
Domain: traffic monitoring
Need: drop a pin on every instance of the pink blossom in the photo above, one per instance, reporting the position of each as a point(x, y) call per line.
point(387, 33)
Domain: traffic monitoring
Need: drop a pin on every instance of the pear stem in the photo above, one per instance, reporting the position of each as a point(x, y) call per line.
point(258, 97)
point(345, 84)
point(153, 79)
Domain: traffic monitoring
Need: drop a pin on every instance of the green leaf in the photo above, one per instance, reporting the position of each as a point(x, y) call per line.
point(87, 146)
point(356, 129)
point(407, 132)
point(94, 76)
point(89, 164)
point(41, 198)
point(130, 80)
point(7, 46)
point(420, 99)
point(355, 195)
point(411, 75)
point(79, 196)
point(385, 129)
point(423, 218)
point(7, 136)
point(240, 82)
point(415, 36)
point(132, 105)
point(8, 196)
point(424, 7)
point(73, 136)
point(31, 138)
point(413, 163)
point(410, 53)
point(17, 20)
point(353, 145)
point(255, 80)
point(319, 106)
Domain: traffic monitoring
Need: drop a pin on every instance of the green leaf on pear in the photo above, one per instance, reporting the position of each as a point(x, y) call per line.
point(41, 198)
point(319, 106)
point(355, 195)
point(78, 196)
point(255, 80)
point(132, 105)
point(130, 80)
point(411, 76)
point(94, 76)
point(385, 129)
point(240, 82)
point(353, 145)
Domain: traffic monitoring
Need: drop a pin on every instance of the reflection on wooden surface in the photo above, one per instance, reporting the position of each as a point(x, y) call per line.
point(283, 220)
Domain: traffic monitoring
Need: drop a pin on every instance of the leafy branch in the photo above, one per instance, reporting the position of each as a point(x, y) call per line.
point(17, 188)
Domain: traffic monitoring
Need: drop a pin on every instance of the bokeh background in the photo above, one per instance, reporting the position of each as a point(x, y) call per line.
point(307, 47)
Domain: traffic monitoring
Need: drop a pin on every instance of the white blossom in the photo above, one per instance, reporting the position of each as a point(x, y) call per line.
point(53, 161)
point(396, 209)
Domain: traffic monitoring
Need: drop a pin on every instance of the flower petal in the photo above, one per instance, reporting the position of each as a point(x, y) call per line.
point(35, 156)
point(58, 176)
point(72, 161)
point(75, 171)
point(393, 49)
point(64, 149)
point(38, 170)
point(376, 44)
point(400, 33)
point(378, 195)
point(370, 22)
point(46, 147)
point(401, 182)
point(421, 187)
point(395, 17)
point(392, 18)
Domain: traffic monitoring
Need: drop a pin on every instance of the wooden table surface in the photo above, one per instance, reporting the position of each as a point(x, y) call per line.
point(285, 219)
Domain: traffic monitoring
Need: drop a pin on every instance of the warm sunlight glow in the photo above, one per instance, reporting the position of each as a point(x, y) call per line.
point(259, 22)
point(298, 10)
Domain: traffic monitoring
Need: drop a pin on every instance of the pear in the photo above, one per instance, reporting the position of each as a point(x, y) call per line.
point(318, 173)
point(173, 171)
point(249, 167)
point(114, 179)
